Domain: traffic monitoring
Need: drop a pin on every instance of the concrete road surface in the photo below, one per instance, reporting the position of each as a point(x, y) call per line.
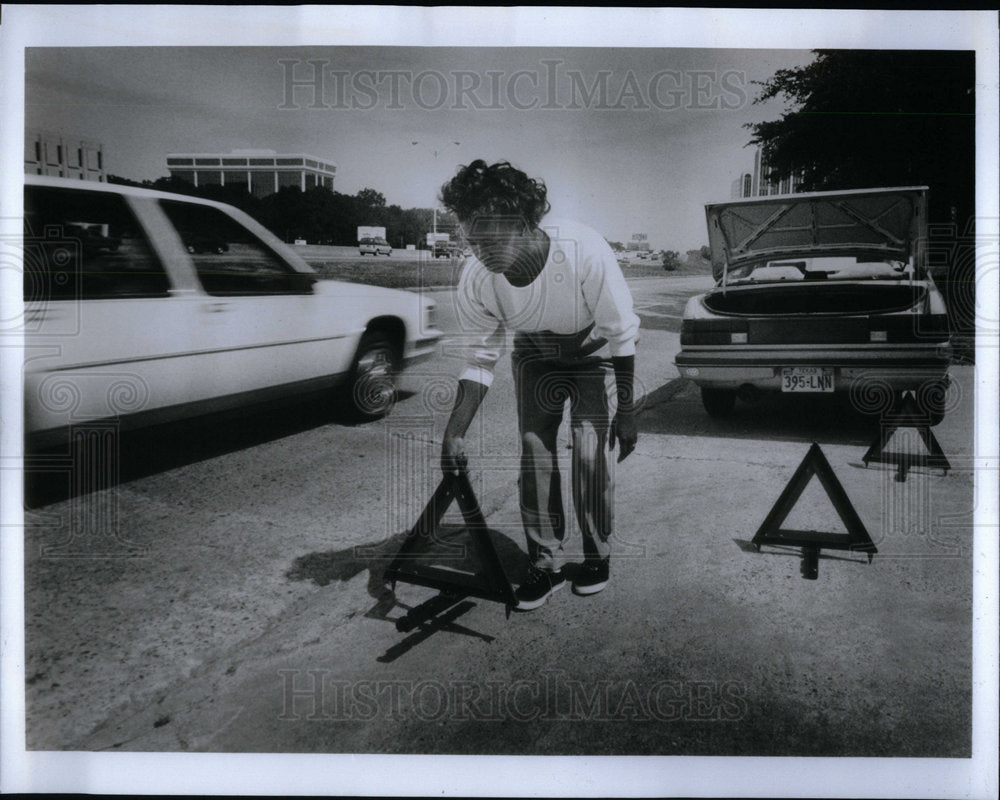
point(240, 603)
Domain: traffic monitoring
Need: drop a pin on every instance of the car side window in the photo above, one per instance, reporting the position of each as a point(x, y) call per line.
point(229, 259)
point(86, 245)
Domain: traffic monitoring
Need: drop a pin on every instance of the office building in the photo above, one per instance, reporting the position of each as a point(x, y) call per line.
point(47, 153)
point(755, 183)
point(261, 172)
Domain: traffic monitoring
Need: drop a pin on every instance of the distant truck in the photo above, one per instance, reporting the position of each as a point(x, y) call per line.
point(441, 246)
point(371, 232)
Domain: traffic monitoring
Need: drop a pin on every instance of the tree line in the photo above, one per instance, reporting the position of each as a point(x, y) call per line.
point(318, 215)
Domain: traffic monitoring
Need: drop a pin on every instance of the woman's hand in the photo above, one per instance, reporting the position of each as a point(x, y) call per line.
point(623, 429)
point(453, 457)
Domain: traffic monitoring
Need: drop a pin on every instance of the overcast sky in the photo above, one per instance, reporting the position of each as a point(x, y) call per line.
point(629, 140)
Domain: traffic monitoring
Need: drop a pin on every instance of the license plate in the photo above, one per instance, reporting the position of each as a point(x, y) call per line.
point(806, 379)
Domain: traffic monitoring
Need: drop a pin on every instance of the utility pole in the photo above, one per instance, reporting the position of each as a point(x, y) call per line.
point(436, 150)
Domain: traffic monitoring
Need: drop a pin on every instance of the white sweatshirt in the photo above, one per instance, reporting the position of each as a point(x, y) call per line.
point(580, 285)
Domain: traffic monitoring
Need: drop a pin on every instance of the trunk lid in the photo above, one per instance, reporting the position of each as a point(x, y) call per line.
point(885, 222)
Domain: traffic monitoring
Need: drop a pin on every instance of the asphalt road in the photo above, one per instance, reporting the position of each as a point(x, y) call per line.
point(239, 603)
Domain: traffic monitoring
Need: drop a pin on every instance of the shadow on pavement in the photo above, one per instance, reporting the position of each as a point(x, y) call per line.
point(676, 408)
point(54, 475)
point(324, 568)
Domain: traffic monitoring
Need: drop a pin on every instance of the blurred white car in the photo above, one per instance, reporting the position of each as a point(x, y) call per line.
point(154, 329)
point(819, 292)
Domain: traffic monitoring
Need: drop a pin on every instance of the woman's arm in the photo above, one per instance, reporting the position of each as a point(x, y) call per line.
point(467, 401)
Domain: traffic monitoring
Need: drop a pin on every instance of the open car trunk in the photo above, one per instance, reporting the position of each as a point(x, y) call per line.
point(885, 224)
point(812, 298)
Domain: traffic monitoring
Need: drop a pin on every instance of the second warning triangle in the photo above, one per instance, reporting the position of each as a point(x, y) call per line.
point(771, 532)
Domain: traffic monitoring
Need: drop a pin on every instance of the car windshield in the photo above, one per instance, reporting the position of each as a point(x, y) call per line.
point(821, 268)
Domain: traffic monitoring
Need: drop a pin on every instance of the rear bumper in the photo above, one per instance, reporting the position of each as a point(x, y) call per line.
point(897, 368)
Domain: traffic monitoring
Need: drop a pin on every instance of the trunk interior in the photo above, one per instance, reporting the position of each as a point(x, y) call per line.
point(845, 299)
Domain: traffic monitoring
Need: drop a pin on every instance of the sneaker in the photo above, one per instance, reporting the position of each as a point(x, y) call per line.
point(537, 587)
point(592, 576)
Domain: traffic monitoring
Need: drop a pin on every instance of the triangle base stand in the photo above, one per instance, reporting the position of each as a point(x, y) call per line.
point(906, 414)
point(771, 533)
point(411, 563)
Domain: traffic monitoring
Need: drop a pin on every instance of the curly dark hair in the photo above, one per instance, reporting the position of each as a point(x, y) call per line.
point(497, 190)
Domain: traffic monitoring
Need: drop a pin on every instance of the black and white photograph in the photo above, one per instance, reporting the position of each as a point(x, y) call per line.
point(499, 401)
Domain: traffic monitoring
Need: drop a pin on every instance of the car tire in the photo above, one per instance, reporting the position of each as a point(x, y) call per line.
point(371, 390)
point(718, 402)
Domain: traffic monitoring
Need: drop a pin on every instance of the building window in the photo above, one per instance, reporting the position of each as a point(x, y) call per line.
point(234, 178)
point(180, 162)
point(289, 179)
point(209, 176)
point(747, 185)
point(206, 162)
point(289, 162)
point(262, 184)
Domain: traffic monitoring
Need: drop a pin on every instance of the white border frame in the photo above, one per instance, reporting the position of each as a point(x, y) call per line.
point(470, 775)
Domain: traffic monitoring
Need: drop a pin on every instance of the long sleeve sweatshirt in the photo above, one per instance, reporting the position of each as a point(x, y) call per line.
point(580, 285)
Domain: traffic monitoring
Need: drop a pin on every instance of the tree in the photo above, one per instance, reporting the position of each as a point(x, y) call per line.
point(869, 118)
point(697, 259)
point(120, 181)
point(369, 198)
point(616, 246)
point(671, 260)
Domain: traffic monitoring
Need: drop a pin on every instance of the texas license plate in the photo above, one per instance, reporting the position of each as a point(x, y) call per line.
point(807, 379)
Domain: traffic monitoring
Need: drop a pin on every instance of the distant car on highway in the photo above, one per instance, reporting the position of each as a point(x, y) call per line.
point(374, 247)
point(204, 242)
point(816, 293)
point(149, 331)
point(93, 239)
point(446, 250)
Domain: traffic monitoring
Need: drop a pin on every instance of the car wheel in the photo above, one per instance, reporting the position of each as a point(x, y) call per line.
point(718, 402)
point(372, 387)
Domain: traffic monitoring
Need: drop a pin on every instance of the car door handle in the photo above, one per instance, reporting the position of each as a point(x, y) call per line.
point(214, 308)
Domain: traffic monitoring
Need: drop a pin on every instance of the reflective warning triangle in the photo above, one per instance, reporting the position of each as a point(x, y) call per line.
point(906, 414)
point(413, 563)
point(770, 532)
